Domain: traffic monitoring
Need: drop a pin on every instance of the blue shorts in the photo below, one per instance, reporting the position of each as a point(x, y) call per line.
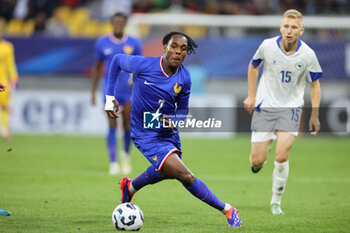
point(158, 149)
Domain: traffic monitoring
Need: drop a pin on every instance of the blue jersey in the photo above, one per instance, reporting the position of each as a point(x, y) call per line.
point(106, 48)
point(155, 93)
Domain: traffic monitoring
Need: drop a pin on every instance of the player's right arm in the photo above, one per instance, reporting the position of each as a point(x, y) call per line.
point(96, 75)
point(99, 57)
point(249, 102)
point(128, 63)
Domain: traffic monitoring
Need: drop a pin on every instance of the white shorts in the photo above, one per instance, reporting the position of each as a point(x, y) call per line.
point(267, 122)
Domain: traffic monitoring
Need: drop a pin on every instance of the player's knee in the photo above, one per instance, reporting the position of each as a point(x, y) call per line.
point(186, 179)
point(281, 156)
point(256, 160)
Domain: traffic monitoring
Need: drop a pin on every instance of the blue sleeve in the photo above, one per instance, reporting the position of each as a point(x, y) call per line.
point(98, 54)
point(315, 75)
point(256, 62)
point(128, 63)
point(138, 49)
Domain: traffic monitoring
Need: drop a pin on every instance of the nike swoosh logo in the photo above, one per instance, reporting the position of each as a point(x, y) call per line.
point(108, 51)
point(147, 83)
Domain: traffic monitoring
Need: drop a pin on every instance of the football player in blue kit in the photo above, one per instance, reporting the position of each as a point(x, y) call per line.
point(105, 48)
point(162, 88)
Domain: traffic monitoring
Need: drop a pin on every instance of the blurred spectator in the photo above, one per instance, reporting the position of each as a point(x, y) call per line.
point(310, 7)
point(71, 3)
point(251, 8)
point(142, 6)
point(55, 27)
point(21, 9)
point(104, 9)
point(39, 22)
point(212, 7)
point(44, 6)
point(40, 11)
point(160, 4)
point(231, 7)
point(192, 5)
point(109, 7)
point(6, 9)
point(328, 7)
point(291, 4)
point(176, 7)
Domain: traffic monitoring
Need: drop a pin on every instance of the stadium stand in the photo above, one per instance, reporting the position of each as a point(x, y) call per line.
point(76, 15)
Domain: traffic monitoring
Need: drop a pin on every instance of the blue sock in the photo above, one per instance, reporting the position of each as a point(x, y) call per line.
point(200, 190)
point(112, 144)
point(150, 176)
point(126, 141)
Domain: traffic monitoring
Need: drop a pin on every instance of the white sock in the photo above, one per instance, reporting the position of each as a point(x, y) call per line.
point(227, 207)
point(132, 189)
point(279, 180)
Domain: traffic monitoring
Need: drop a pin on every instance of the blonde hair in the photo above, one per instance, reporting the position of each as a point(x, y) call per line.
point(292, 13)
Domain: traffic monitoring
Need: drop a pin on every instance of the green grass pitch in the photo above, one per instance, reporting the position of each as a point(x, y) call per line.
point(60, 184)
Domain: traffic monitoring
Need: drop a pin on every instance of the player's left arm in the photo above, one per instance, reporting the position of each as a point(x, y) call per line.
point(314, 122)
point(12, 67)
point(138, 48)
point(314, 74)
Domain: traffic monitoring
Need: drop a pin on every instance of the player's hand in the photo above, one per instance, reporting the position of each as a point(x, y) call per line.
point(314, 124)
point(93, 100)
point(249, 104)
point(166, 121)
point(111, 107)
point(2, 87)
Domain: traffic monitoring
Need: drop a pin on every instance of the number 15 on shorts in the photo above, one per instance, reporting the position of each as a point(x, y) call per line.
point(295, 114)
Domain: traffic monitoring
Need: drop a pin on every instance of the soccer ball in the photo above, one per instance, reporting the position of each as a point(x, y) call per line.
point(127, 217)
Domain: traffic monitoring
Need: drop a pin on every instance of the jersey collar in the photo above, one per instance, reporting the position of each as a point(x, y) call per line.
point(161, 68)
point(116, 40)
point(278, 44)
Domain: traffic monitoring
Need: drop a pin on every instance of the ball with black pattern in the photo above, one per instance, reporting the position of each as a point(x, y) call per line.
point(127, 217)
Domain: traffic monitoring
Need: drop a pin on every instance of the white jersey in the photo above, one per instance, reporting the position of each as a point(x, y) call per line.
point(282, 83)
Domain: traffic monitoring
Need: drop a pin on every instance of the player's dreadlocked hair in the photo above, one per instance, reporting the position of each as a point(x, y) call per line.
point(191, 44)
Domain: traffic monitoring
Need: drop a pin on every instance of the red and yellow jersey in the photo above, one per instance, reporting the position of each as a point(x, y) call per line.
point(8, 70)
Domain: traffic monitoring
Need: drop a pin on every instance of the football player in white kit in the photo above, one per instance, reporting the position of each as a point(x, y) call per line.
point(276, 106)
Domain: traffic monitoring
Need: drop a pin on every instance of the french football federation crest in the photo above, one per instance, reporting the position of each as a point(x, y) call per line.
point(128, 49)
point(177, 89)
